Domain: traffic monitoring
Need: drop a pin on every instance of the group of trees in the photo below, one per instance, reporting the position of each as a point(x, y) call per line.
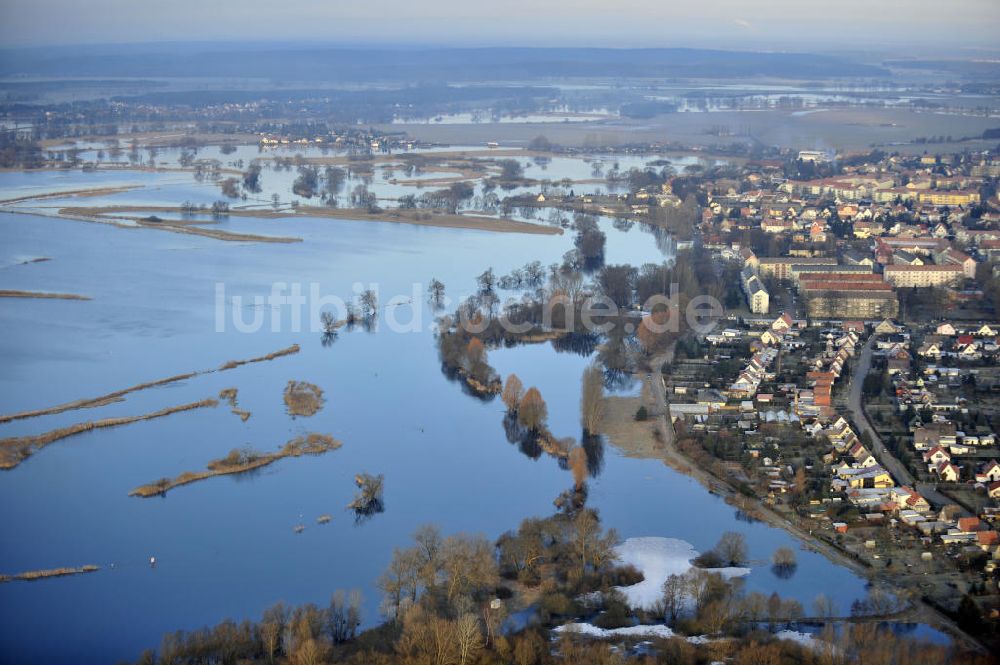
point(251, 178)
point(530, 276)
point(510, 170)
point(445, 600)
point(449, 199)
point(466, 356)
point(19, 152)
point(368, 499)
point(589, 241)
point(306, 635)
point(454, 572)
point(567, 554)
point(362, 197)
point(306, 184)
point(529, 407)
point(731, 550)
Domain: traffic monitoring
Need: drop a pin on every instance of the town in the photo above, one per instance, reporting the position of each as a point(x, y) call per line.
point(855, 387)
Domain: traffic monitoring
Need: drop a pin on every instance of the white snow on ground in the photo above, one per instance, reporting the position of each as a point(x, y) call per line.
point(657, 559)
point(657, 630)
point(807, 640)
point(602, 633)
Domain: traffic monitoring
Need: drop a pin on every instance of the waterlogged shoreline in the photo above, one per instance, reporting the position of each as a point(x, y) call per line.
point(34, 575)
point(117, 214)
point(103, 400)
point(41, 295)
point(15, 450)
point(310, 444)
point(76, 193)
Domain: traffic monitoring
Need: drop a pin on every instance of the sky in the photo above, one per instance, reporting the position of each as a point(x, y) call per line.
point(926, 26)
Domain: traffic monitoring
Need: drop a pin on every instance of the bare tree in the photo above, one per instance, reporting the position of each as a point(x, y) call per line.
point(428, 548)
point(824, 606)
point(755, 606)
point(783, 562)
point(532, 412)
point(513, 391)
point(487, 281)
point(344, 616)
point(329, 322)
point(791, 610)
point(468, 564)
point(578, 466)
point(427, 639)
point(591, 545)
point(309, 652)
point(399, 582)
point(732, 548)
point(435, 293)
point(673, 598)
point(369, 303)
point(469, 637)
point(270, 634)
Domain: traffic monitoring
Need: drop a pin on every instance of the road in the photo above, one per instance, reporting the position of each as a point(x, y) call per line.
point(862, 365)
point(658, 384)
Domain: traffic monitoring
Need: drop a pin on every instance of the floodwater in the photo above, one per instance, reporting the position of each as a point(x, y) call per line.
point(226, 547)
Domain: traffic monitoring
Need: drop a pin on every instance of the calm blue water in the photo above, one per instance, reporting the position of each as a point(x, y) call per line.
point(226, 547)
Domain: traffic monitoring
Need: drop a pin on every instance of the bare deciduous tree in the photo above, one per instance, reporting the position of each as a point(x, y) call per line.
point(732, 548)
point(578, 466)
point(532, 412)
point(824, 606)
point(369, 303)
point(673, 598)
point(590, 544)
point(435, 293)
point(513, 391)
point(469, 637)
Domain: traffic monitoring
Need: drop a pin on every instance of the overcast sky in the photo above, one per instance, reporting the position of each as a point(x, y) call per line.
point(956, 25)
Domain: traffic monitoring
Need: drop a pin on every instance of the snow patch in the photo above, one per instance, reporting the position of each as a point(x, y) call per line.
point(807, 640)
point(602, 633)
point(657, 559)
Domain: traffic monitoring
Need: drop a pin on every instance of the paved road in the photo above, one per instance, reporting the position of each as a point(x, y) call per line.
point(862, 365)
point(657, 382)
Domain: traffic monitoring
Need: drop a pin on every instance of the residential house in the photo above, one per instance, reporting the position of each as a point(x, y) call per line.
point(989, 473)
point(948, 472)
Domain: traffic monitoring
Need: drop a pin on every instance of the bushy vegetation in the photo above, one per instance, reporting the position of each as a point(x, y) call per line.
point(446, 600)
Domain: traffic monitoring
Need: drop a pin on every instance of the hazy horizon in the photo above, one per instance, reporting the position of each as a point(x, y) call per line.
point(920, 27)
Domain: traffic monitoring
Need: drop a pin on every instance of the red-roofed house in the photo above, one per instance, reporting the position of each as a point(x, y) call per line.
point(968, 524)
point(782, 324)
point(937, 456)
point(987, 539)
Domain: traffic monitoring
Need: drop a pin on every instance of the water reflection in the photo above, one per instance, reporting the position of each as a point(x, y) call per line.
point(580, 343)
point(784, 571)
point(593, 445)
